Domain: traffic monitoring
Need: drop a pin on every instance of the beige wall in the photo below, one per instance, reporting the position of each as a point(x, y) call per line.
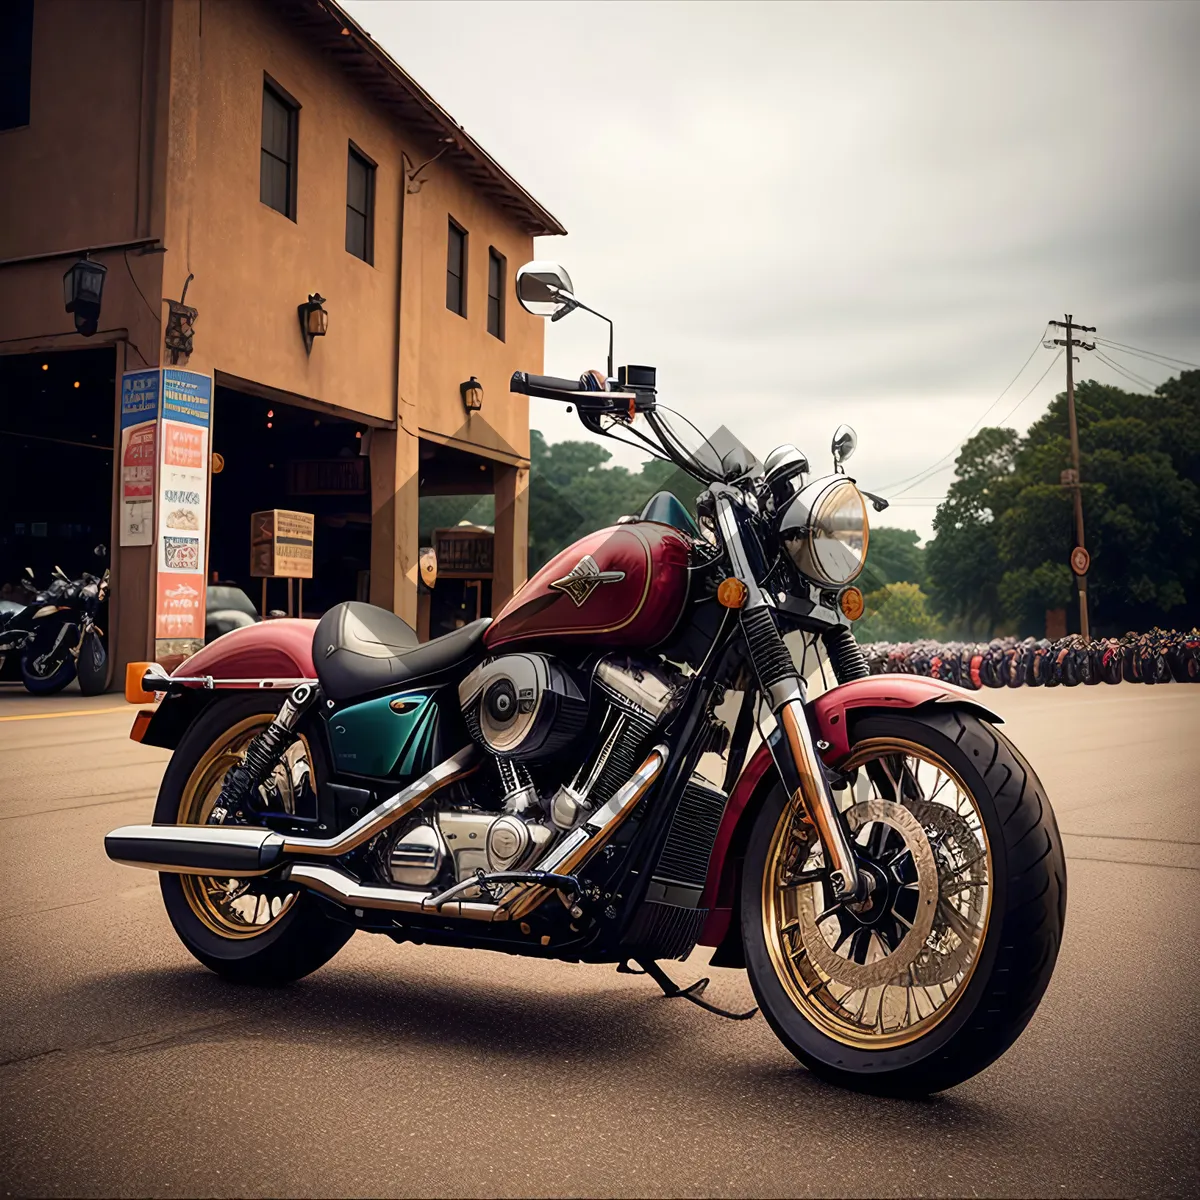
point(146, 122)
point(253, 265)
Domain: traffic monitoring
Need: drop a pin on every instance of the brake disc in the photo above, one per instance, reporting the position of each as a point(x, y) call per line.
point(954, 937)
point(895, 968)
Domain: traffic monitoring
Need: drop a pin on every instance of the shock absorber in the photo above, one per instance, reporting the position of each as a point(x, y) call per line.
point(845, 656)
point(262, 755)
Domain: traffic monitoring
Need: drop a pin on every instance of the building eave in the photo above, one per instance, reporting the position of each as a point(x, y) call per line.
point(336, 33)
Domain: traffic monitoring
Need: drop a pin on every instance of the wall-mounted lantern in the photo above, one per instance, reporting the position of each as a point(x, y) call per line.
point(83, 285)
point(314, 320)
point(181, 326)
point(472, 394)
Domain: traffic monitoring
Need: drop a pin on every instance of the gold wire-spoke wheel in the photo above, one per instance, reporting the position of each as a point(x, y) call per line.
point(882, 973)
point(240, 908)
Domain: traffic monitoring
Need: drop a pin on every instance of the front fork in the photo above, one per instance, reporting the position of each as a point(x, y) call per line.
point(795, 752)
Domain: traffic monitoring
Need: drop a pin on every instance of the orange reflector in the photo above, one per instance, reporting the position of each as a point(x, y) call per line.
point(134, 673)
point(140, 724)
point(852, 603)
point(732, 593)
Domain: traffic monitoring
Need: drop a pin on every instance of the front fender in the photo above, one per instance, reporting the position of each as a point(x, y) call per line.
point(831, 713)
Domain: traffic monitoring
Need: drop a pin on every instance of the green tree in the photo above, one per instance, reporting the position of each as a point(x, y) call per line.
point(898, 612)
point(1004, 535)
point(572, 491)
point(893, 556)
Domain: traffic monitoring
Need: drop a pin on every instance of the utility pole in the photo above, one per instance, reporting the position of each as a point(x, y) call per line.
point(1079, 556)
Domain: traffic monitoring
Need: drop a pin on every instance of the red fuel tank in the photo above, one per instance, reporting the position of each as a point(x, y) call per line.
point(621, 586)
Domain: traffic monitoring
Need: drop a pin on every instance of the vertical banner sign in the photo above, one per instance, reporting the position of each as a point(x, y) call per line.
point(139, 420)
point(183, 504)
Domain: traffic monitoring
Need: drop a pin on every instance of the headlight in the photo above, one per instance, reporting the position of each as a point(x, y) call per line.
point(825, 530)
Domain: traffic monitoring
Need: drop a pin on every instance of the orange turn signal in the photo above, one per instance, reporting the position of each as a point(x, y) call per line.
point(140, 724)
point(852, 603)
point(134, 674)
point(732, 592)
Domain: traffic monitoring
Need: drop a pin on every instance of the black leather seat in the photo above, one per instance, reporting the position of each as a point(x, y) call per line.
point(358, 648)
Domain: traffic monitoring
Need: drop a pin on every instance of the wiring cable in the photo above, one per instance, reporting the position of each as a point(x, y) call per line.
point(1132, 376)
point(925, 476)
point(1142, 352)
point(979, 422)
point(146, 302)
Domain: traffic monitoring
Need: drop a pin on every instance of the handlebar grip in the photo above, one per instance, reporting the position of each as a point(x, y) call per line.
point(523, 379)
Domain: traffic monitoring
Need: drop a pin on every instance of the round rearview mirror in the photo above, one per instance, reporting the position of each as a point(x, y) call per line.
point(543, 288)
point(845, 442)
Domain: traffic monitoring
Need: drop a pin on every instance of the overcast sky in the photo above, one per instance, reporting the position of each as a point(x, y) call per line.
point(809, 214)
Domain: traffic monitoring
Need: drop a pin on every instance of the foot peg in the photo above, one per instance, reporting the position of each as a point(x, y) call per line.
point(671, 989)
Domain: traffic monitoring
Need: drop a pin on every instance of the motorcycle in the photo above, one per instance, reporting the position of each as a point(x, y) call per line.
point(57, 634)
point(556, 782)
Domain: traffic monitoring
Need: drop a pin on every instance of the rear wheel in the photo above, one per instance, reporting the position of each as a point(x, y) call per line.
point(935, 975)
point(250, 930)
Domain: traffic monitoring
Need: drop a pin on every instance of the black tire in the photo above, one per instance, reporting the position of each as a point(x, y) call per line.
point(303, 938)
point(1018, 951)
point(92, 667)
point(58, 677)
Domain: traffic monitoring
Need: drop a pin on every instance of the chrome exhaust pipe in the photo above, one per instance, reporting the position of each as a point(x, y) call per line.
point(235, 851)
point(240, 850)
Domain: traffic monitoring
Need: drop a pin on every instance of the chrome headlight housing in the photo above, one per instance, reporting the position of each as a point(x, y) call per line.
point(825, 530)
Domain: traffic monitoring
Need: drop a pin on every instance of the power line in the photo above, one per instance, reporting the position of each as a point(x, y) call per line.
point(921, 474)
point(926, 475)
point(1130, 375)
point(1142, 352)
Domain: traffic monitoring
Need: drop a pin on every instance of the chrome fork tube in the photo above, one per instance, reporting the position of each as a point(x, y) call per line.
point(781, 684)
point(818, 799)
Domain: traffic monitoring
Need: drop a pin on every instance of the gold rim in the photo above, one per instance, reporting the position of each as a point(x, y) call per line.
point(883, 973)
point(240, 908)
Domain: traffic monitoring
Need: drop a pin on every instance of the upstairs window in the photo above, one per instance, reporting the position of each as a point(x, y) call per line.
point(16, 62)
point(496, 264)
point(280, 118)
point(456, 269)
point(360, 206)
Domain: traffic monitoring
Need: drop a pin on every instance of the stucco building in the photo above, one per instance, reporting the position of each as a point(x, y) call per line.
point(259, 154)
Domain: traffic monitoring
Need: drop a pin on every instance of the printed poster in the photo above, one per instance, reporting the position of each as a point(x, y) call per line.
point(182, 503)
point(140, 392)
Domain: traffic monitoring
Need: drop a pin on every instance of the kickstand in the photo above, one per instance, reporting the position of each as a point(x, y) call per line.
point(692, 992)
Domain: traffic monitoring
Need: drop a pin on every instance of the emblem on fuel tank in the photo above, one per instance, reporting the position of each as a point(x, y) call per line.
point(584, 578)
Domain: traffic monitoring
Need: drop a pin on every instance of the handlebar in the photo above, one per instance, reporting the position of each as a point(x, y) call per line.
point(593, 400)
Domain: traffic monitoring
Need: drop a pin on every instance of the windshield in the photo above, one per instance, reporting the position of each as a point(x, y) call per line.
point(719, 455)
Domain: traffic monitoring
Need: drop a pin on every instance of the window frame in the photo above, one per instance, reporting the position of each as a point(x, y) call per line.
point(453, 226)
point(354, 151)
point(23, 62)
point(292, 108)
point(498, 260)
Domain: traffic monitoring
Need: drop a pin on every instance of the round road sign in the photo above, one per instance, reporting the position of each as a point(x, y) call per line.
point(1080, 560)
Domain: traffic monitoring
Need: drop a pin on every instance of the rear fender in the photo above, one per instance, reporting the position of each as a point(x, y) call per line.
point(273, 653)
point(833, 713)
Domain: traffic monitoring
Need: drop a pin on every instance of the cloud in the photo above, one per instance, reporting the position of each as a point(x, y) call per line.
point(808, 214)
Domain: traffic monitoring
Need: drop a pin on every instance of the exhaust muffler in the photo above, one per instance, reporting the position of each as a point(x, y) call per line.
point(232, 850)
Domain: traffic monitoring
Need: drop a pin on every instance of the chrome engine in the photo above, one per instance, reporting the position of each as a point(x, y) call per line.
point(527, 710)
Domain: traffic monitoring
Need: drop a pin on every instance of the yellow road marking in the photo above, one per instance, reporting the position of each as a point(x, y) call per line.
point(69, 712)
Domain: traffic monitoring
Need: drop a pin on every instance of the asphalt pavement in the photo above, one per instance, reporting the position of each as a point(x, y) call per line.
point(128, 1069)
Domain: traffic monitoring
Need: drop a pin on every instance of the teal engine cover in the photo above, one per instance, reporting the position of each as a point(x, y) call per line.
point(390, 736)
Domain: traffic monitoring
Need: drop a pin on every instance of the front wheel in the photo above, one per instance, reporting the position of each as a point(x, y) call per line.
point(45, 670)
point(936, 974)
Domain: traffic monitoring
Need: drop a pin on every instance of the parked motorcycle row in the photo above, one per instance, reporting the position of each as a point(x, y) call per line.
point(1160, 656)
point(55, 634)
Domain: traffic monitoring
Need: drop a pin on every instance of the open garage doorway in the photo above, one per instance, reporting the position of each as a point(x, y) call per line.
point(274, 455)
point(56, 463)
point(457, 519)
